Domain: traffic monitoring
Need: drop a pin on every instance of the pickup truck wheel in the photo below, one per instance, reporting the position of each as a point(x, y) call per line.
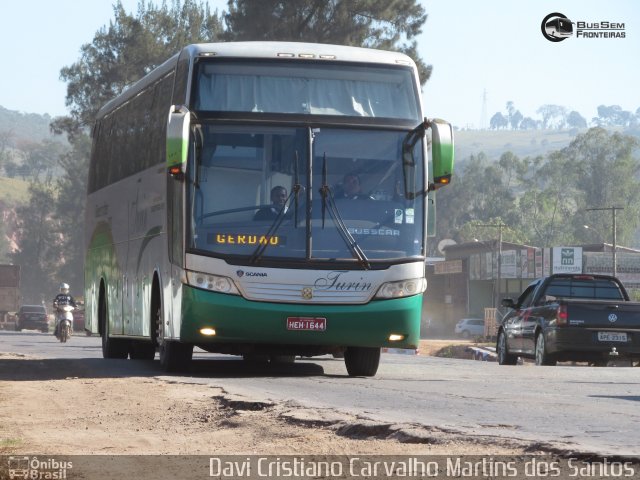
point(504, 357)
point(542, 357)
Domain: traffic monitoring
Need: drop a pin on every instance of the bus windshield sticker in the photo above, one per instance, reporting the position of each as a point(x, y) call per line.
point(410, 213)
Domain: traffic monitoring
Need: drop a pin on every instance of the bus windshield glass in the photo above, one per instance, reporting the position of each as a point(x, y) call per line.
point(306, 88)
point(306, 194)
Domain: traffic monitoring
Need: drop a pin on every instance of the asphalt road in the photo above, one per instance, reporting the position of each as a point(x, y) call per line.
point(570, 408)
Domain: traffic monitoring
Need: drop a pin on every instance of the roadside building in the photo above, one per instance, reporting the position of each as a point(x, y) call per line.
point(469, 280)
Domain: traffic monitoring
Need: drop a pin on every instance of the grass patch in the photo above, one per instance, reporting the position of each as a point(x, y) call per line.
point(8, 445)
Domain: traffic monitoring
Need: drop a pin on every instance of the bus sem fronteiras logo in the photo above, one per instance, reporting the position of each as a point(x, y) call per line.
point(556, 27)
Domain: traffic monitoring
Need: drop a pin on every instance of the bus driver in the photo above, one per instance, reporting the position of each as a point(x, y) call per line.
point(278, 200)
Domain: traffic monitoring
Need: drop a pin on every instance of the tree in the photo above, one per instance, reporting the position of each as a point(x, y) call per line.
point(613, 115)
point(528, 123)
point(129, 48)
point(480, 193)
point(597, 169)
point(576, 120)
point(498, 121)
point(548, 203)
point(5, 152)
point(384, 24)
point(37, 251)
point(513, 169)
point(553, 116)
point(608, 177)
point(516, 119)
point(40, 158)
point(69, 212)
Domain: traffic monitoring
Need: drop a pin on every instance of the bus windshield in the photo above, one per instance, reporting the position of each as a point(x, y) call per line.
point(306, 88)
point(304, 193)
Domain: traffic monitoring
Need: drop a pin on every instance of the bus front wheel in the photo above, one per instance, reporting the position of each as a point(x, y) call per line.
point(175, 356)
point(362, 361)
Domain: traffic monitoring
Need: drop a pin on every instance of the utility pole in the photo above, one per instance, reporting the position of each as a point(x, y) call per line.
point(499, 226)
point(613, 209)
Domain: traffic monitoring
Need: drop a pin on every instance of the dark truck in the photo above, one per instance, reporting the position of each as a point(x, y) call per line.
point(9, 294)
point(570, 317)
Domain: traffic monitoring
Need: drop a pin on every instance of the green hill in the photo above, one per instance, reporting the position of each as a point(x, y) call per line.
point(523, 143)
point(30, 127)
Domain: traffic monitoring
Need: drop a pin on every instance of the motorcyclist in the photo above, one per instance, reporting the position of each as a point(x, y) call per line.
point(63, 298)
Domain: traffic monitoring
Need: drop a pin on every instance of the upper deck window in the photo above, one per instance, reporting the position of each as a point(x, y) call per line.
point(307, 88)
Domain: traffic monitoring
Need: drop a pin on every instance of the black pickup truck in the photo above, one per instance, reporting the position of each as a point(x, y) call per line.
point(570, 317)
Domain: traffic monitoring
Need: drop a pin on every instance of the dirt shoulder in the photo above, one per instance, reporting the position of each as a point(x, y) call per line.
point(45, 414)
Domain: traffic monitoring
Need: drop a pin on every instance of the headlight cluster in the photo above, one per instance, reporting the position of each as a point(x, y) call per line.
point(404, 288)
point(215, 283)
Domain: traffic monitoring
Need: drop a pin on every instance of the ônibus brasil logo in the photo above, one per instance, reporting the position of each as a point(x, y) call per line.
point(556, 27)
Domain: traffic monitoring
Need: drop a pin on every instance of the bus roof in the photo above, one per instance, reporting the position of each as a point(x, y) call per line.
point(300, 50)
point(283, 50)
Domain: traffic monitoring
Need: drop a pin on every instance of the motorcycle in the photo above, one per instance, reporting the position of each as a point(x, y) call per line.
point(65, 322)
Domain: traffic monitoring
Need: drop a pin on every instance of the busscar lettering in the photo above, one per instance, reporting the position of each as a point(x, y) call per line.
point(385, 232)
point(333, 282)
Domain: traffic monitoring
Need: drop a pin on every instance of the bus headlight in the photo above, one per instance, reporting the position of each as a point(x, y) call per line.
point(215, 283)
point(404, 288)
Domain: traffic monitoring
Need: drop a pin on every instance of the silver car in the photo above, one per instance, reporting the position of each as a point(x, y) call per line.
point(470, 327)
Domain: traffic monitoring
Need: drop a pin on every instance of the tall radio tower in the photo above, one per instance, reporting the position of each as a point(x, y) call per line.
point(483, 115)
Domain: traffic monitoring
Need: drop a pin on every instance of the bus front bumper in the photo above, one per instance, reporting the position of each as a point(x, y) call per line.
point(240, 321)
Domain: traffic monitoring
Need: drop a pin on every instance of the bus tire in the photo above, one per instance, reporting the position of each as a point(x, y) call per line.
point(362, 361)
point(175, 356)
point(141, 350)
point(111, 347)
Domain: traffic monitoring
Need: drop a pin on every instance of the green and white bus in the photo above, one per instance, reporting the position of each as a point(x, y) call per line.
point(177, 255)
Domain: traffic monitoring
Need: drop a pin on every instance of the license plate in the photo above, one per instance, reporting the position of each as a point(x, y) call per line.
point(612, 336)
point(312, 324)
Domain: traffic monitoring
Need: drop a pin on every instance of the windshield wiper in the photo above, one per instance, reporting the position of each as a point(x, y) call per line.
point(328, 200)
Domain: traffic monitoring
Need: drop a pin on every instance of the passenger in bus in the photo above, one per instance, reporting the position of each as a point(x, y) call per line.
point(278, 200)
point(351, 188)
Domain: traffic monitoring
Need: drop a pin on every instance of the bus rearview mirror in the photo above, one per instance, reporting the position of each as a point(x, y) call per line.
point(442, 152)
point(178, 139)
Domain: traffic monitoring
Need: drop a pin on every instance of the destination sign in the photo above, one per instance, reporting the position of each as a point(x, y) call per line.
point(244, 239)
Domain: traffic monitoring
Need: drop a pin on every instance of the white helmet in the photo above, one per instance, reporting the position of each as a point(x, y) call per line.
point(64, 288)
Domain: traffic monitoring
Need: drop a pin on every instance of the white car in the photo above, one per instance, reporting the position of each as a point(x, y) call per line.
point(470, 327)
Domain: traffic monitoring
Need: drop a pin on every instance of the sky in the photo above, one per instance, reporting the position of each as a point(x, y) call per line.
point(483, 54)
